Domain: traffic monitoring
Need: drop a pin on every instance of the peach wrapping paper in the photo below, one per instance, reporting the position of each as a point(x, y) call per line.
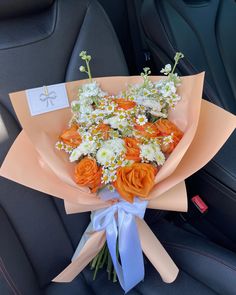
point(206, 127)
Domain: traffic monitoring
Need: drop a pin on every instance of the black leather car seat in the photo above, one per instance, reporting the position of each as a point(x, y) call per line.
point(203, 31)
point(40, 43)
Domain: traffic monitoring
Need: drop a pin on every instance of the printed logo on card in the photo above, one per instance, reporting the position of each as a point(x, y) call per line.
point(47, 99)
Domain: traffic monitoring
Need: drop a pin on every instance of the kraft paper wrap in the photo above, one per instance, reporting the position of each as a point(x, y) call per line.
point(32, 158)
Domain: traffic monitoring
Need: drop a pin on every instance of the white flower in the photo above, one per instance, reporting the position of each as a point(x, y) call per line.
point(110, 151)
point(160, 158)
point(88, 92)
point(146, 92)
point(121, 117)
point(150, 152)
point(85, 109)
point(168, 139)
point(90, 89)
point(116, 123)
point(152, 104)
point(108, 176)
point(110, 108)
point(105, 155)
point(113, 122)
point(158, 114)
point(173, 100)
point(68, 149)
point(97, 115)
point(141, 120)
point(117, 145)
point(75, 155)
point(122, 125)
point(75, 106)
point(86, 136)
point(166, 70)
point(168, 89)
point(88, 147)
point(85, 148)
point(147, 152)
point(82, 69)
point(59, 145)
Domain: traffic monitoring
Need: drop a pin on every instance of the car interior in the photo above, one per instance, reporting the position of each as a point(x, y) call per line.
point(40, 43)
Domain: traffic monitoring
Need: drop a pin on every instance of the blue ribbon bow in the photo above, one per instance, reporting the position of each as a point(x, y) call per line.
point(119, 220)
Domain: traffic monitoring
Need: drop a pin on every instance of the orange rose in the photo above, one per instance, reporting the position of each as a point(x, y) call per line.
point(132, 149)
point(87, 173)
point(136, 180)
point(102, 129)
point(125, 104)
point(166, 128)
point(148, 130)
point(71, 136)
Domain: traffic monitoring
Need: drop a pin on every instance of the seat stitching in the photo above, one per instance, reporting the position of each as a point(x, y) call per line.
point(8, 278)
point(173, 245)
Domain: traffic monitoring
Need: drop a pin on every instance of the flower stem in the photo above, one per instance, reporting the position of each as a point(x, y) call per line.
point(98, 261)
point(102, 258)
point(88, 70)
point(177, 57)
point(109, 266)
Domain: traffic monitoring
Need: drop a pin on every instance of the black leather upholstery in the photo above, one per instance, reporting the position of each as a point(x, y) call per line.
point(37, 237)
point(174, 25)
point(14, 8)
point(202, 30)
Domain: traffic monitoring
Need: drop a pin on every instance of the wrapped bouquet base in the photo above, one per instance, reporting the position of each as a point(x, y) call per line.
point(206, 127)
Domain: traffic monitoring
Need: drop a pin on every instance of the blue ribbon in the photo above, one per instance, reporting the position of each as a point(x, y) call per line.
point(119, 220)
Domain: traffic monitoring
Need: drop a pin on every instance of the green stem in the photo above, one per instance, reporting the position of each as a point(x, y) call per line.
point(89, 71)
point(176, 62)
point(104, 257)
point(114, 276)
point(98, 262)
point(109, 266)
point(178, 56)
point(94, 261)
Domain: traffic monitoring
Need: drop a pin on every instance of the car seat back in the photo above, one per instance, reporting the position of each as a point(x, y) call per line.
point(204, 31)
point(40, 42)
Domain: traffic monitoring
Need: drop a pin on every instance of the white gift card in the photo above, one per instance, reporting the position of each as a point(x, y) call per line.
point(47, 99)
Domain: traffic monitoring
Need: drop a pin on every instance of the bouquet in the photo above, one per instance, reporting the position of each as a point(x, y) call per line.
point(119, 142)
point(128, 144)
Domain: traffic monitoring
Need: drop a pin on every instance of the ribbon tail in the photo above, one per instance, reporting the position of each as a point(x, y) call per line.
point(131, 270)
point(91, 248)
point(156, 253)
point(131, 255)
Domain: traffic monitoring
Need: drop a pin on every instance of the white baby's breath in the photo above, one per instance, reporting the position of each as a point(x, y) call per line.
point(166, 70)
point(167, 89)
